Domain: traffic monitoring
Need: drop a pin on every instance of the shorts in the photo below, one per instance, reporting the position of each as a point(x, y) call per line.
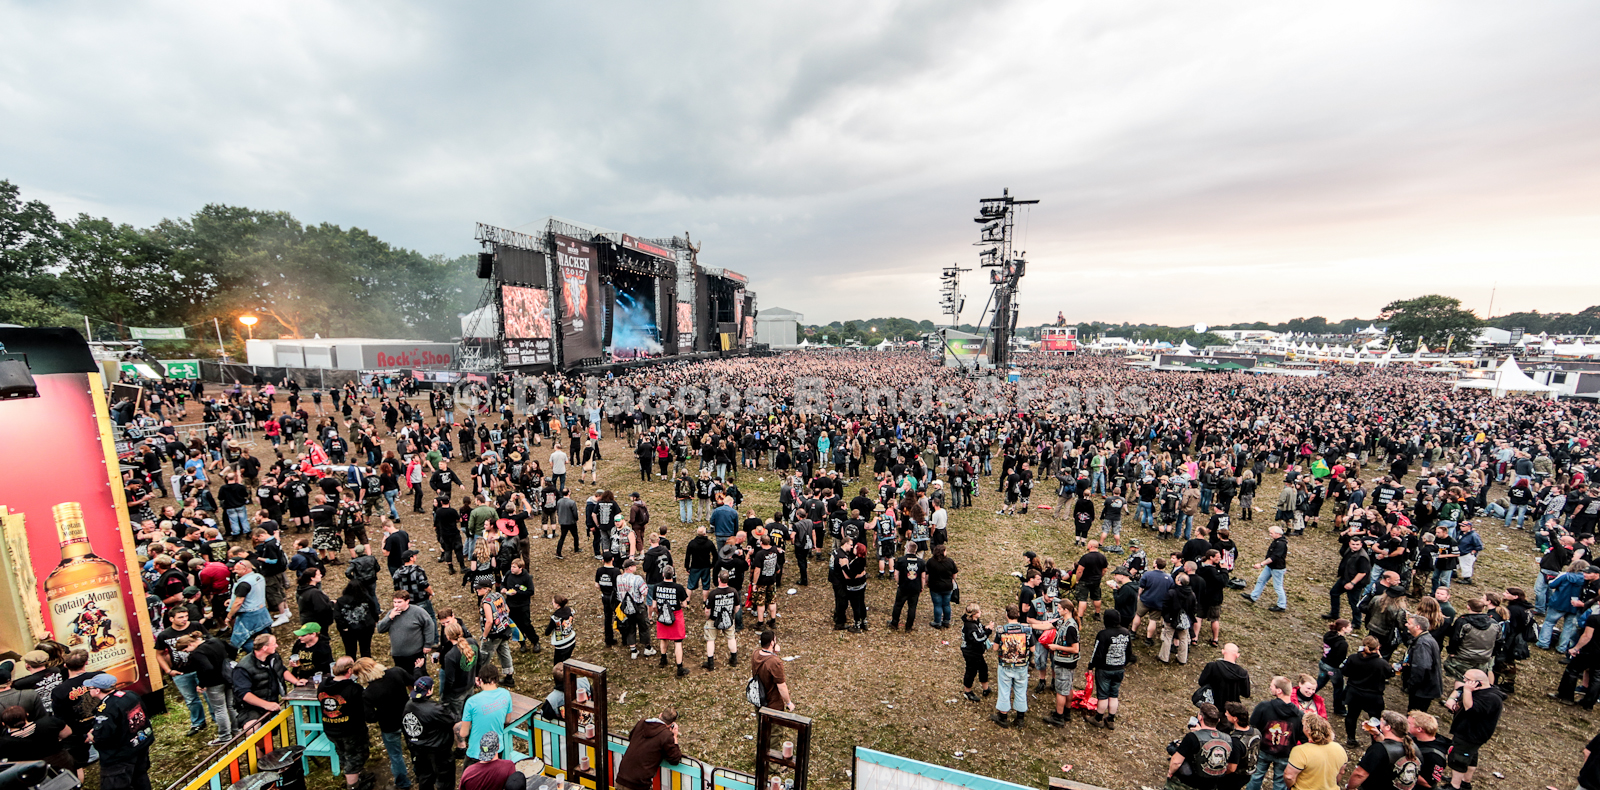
point(352, 749)
point(765, 594)
point(299, 508)
point(885, 549)
point(700, 579)
point(1086, 591)
point(1140, 610)
point(1211, 612)
point(1108, 683)
point(326, 539)
point(1463, 755)
point(277, 589)
point(1110, 527)
point(711, 630)
point(1063, 682)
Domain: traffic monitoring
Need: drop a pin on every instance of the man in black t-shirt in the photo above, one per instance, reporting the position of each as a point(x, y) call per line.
point(721, 605)
point(1433, 748)
point(1389, 762)
point(605, 580)
point(395, 543)
point(1088, 573)
point(173, 663)
point(910, 579)
point(1476, 705)
point(1064, 649)
point(667, 600)
point(1205, 757)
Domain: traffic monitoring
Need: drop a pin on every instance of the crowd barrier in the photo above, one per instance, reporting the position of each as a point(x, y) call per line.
point(239, 759)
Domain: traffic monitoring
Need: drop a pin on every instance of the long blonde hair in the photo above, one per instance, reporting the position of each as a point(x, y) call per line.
point(455, 636)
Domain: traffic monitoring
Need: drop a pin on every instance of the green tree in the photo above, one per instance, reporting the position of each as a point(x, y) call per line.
point(30, 244)
point(1433, 319)
point(25, 309)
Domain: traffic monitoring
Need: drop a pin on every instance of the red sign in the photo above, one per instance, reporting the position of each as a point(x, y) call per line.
point(647, 248)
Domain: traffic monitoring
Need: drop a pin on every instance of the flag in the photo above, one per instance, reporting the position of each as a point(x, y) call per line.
point(1319, 469)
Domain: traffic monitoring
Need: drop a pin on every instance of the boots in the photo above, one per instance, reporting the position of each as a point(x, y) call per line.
point(1054, 719)
point(682, 671)
point(710, 663)
point(1017, 719)
point(733, 660)
point(971, 697)
point(663, 662)
point(1000, 719)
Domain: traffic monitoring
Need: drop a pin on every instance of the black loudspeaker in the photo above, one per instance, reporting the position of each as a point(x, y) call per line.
point(16, 381)
point(485, 265)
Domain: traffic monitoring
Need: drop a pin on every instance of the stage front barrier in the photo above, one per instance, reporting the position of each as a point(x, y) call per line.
point(239, 759)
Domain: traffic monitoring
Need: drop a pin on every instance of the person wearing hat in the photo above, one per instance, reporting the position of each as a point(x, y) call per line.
point(310, 655)
point(426, 724)
point(490, 772)
point(122, 733)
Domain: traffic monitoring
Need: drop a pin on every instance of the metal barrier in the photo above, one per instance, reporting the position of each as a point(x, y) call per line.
point(237, 760)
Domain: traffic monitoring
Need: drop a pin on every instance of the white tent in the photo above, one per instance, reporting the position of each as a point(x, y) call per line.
point(1507, 378)
point(1185, 349)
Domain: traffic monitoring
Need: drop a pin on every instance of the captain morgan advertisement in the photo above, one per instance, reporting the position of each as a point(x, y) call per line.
point(68, 546)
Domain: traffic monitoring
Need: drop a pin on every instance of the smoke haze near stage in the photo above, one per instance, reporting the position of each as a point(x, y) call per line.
point(634, 331)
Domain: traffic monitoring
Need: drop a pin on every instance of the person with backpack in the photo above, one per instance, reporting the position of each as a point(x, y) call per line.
point(1113, 654)
point(1278, 721)
point(1474, 640)
point(631, 596)
point(720, 606)
point(767, 683)
point(1564, 600)
point(1204, 756)
point(1392, 761)
point(667, 601)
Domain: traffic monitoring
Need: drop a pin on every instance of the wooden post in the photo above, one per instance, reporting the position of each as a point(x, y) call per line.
point(767, 756)
point(591, 712)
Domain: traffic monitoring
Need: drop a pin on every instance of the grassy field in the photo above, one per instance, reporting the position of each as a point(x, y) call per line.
point(901, 693)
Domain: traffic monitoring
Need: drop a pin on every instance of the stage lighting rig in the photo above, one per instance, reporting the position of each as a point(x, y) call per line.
point(998, 218)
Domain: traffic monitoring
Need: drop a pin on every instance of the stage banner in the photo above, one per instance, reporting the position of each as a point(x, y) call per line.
point(158, 333)
point(68, 547)
point(582, 307)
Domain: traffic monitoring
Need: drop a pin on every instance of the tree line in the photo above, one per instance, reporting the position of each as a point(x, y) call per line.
point(299, 279)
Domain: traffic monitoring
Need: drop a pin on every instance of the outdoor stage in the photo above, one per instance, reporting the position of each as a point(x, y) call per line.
point(565, 296)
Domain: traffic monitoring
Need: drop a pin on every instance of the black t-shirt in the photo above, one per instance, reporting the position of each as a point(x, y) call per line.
point(167, 641)
point(1025, 601)
point(1279, 723)
point(396, 544)
point(1589, 774)
point(720, 607)
point(1066, 636)
point(668, 597)
point(767, 562)
point(1379, 767)
point(910, 569)
point(1434, 753)
point(606, 577)
point(1477, 725)
point(1091, 568)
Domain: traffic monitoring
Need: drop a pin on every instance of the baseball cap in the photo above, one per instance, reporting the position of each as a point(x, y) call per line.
point(422, 688)
point(191, 590)
point(104, 682)
point(408, 554)
point(482, 583)
point(489, 744)
point(308, 628)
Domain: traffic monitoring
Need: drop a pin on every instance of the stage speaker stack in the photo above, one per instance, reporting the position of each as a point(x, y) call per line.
point(485, 265)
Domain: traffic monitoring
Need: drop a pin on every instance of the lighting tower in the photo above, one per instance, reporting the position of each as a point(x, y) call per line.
point(1006, 268)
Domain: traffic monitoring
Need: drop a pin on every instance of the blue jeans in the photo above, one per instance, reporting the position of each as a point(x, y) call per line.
point(390, 496)
point(1541, 584)
point(1277, 764)
point(1206, 495)
point(1277, 583)
point(1326, 673)
point(191, 698)
point(1097, 483)
point(1441, 578)
point(1147, 513)
point(686, 510)
point(238, 520)
point(394, 744)
point(1013, 689)
point(941, 607)
point(1517, 513)
point(1186, 525)
point(1569, 629)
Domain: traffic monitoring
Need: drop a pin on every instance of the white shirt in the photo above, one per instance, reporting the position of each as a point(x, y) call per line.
point(558, 463)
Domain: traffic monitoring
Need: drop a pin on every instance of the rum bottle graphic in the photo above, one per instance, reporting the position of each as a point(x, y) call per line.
point(83, 600)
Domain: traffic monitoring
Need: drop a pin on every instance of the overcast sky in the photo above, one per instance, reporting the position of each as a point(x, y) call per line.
point(1196, 161)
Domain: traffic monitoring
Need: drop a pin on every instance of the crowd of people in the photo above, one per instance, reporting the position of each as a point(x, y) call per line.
point(1398, 471)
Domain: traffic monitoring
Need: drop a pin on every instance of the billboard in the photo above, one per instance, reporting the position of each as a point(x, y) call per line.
point(527, 312)
point(528, 351)
point(582, 311)
point(389, 356)
point(68, 545)
point(685, 319)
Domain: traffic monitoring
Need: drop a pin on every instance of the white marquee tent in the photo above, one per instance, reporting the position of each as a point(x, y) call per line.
point(1507, 378)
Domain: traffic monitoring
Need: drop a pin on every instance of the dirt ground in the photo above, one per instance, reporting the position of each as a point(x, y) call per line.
point(901, 693)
